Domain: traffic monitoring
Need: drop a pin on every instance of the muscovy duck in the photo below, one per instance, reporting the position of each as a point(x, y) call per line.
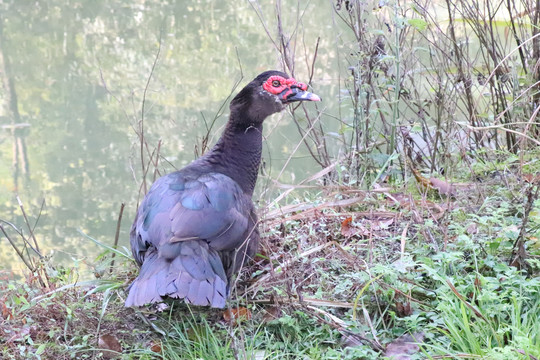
point(197, 227)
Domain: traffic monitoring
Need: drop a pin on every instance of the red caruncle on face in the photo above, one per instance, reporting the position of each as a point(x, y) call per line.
point(277, 84)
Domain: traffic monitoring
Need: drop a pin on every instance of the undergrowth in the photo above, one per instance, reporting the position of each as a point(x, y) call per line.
point(342, 274)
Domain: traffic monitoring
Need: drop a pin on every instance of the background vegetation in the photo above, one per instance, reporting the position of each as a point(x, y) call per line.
point(400, 216)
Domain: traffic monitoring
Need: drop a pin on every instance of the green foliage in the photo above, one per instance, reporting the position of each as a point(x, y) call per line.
point(496, 314)
point(192, 339)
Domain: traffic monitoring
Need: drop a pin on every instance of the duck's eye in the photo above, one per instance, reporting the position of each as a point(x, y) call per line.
point(276, 83)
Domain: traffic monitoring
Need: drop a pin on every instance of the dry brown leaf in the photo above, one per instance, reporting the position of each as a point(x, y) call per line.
point(532, 178)
point(271, 313)
point(155, 347)
point(110, 345)
point(381, 224)
point(6, 312)
point(404, 346)
point(236, 315)
point(403, 309)
point(437, 211)
point(346, 228)
point(399, 200)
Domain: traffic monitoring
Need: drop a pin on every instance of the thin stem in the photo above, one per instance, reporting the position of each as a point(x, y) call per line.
point(117, 235)
point(141, 122)
point(19, 252)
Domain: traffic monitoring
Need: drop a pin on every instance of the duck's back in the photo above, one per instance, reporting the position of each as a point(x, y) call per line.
point(193, 230)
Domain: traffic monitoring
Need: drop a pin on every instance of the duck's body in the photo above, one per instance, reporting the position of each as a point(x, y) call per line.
point(197, 226)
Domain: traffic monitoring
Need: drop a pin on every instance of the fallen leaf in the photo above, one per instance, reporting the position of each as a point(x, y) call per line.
point(271, 313)
point(346, 224)
point(399, 199)
point(236, 315)
point(6, 312)
point(532, 178)
point(155, 347)
point(402, 347)
point(381, 224)
point(346, 228)
point(403, 309)
point(111, 346)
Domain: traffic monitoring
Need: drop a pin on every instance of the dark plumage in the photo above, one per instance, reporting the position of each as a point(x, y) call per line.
point(197, 226)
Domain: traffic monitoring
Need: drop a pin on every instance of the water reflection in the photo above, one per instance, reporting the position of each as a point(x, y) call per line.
point(79, 70)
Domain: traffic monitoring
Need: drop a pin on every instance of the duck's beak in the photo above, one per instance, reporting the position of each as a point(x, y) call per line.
point(295, 93)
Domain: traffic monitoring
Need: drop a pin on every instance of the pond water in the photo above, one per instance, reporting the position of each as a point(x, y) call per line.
point(79, 76)
point(79, 73)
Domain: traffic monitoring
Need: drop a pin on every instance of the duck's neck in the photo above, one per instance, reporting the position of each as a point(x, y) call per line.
point(237, 154)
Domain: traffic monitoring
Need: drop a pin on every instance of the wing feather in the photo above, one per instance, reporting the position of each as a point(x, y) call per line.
point(190, 227)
